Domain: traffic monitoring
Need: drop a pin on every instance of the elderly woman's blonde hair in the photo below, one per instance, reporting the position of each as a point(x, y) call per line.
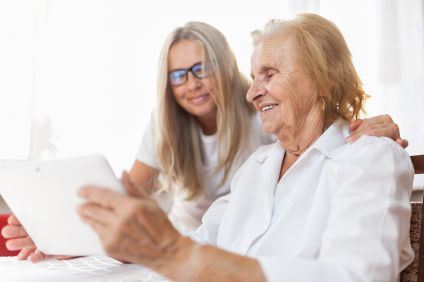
point(179, 149)
point(321, 49)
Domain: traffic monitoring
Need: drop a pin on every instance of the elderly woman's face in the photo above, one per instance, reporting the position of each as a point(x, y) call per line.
point(281, 90)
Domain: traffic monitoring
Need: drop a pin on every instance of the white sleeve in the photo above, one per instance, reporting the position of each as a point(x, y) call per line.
point(367, 233)
point(207, 232)
point(147, 150)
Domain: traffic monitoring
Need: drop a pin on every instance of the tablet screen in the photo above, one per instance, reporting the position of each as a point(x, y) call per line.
point(43, 195)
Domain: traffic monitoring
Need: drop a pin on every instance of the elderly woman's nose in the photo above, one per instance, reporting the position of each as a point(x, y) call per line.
point(256, 89)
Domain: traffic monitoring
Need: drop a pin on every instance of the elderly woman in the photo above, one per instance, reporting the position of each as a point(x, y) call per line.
point(307, 208)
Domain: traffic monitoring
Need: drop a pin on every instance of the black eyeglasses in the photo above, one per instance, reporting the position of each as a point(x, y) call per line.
point(179, 76)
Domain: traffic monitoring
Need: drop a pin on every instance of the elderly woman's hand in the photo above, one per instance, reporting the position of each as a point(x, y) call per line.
point(18, 239)
point(376, 126)
point(133, 228)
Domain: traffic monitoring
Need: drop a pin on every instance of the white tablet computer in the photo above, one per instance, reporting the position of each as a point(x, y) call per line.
point(44, 195)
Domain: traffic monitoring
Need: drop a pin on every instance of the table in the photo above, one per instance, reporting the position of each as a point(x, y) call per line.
point(94, 268)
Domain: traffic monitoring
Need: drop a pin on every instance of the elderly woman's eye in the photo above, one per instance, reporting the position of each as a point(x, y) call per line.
point(270, 74)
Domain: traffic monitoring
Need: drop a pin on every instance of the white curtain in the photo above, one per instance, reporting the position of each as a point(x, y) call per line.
point(401, 69)
point(401, 66)
point(386, 38)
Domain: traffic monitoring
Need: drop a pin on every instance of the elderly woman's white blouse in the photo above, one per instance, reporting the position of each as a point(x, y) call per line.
point(340, 213)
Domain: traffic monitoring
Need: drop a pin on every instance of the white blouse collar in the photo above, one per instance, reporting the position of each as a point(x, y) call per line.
point(331, 139)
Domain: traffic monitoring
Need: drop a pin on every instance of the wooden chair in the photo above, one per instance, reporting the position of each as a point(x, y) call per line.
point(418, 162)
point(415, 271)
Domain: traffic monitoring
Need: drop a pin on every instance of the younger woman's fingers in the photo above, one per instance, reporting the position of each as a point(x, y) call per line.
point(26, 252)
point(13, 231)
point(37, 256)
point(355, 124)
point(19, 243)
point(403, 142)
point(13, 220)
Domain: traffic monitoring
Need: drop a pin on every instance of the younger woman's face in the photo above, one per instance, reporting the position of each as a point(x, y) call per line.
point(195, 95)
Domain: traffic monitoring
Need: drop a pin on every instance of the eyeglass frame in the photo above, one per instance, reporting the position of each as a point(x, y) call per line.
point(186, 71)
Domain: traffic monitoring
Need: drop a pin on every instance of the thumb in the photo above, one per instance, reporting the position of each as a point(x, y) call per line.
point(354, 125)
point(403, 142)
point(130, 188)
point(13, 220)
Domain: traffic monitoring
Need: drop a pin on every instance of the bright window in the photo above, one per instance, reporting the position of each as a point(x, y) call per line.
point(78, 77)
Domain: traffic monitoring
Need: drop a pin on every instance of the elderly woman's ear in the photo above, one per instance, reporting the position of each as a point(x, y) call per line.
point(382, 125)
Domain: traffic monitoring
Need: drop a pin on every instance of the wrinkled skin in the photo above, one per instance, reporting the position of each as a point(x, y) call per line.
point(141, 233)
point(285, 96)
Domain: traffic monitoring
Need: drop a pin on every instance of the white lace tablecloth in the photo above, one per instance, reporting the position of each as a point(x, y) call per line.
point(94, 268)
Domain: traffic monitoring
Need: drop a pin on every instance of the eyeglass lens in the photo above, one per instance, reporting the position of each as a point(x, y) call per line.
point(179, 76)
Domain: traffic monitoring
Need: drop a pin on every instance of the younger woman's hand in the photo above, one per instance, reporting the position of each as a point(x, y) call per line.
point(376, 126)
point(18, 239)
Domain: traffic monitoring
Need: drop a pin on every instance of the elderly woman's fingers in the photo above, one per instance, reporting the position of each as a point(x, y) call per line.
point(19, 243)
point(13, 220)
point(13, 231)
point(130, 188)
point(101, 229)
point(95, 212)
point(26, 252)
point(103, 197)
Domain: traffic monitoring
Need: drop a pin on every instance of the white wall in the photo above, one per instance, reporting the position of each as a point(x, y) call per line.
point(84, 71)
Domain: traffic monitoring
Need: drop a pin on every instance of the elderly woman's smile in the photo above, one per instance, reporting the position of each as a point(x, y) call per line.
point(267, 107)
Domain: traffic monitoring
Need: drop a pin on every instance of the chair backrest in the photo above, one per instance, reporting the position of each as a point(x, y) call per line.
point(418, 162)
point(415, 271)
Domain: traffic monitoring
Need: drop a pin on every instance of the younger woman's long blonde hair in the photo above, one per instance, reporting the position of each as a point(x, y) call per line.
point(179, 148)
